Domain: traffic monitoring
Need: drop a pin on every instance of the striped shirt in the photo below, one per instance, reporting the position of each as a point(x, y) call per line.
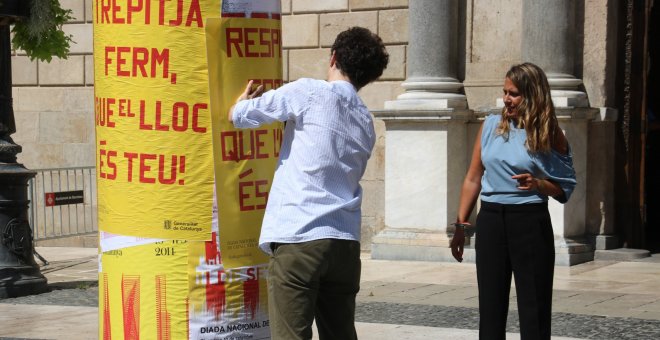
point(328, 139)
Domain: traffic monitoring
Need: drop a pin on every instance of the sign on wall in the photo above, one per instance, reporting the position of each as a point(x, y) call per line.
point(52, 199)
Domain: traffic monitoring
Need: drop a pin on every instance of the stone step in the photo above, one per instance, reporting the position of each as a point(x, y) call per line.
point(621, 254)
point(84, 241)
point(654, 258)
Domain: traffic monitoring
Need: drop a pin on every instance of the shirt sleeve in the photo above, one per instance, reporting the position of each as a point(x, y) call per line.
point(558, 168)
point(282, 104)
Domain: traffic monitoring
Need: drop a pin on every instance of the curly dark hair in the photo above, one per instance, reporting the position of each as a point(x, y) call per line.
point(360, 55)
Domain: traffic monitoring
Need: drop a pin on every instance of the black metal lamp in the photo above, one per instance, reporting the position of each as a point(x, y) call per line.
point(19, 273)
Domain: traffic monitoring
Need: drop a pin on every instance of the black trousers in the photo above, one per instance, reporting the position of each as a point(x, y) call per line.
point(518, 239)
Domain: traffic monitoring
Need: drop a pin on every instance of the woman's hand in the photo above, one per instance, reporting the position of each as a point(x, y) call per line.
point(543, 186)
point(526, 182)
point(457, 243)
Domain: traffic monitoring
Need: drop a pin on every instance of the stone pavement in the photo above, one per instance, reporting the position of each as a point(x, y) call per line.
point(398, 300)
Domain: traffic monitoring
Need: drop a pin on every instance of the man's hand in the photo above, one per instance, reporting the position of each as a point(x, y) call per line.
point(249, 93)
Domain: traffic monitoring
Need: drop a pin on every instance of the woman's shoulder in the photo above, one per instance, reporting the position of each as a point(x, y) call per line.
point(491, 121)
point(489, 126)
point(493, 118)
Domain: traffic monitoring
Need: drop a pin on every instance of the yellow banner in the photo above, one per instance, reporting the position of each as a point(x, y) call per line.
point(239, 50)
point(153, 125)
point(143, 292)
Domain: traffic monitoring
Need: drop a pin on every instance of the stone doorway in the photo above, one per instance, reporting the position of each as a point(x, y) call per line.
point(652, 140)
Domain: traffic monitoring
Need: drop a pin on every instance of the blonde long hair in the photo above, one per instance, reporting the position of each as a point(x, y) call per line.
point(536, 112)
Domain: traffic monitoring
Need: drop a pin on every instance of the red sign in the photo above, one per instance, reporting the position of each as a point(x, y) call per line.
point(63, 198)
point(50, 199)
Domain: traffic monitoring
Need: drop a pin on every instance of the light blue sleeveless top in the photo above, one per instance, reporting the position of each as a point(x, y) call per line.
point(503, 158)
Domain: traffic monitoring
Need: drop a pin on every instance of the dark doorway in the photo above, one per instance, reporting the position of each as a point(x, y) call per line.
point(652, 151)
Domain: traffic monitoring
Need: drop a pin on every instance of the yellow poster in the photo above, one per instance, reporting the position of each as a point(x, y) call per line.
point(225, 303)
point(242, 49)
point(153, 126)
point(143, 292)
point(168, 273)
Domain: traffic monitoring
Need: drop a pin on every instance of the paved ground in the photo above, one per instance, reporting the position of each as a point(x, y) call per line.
point(398, 300)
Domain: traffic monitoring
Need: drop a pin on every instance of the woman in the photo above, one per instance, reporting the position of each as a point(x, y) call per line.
point(520, 158)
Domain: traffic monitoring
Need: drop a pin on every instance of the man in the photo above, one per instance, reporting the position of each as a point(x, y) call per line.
point(311, 226)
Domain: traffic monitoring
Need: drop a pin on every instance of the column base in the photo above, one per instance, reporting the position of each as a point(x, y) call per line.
point(622, 254)
point(569, 252)
point(21, 281)
point(426, 104)
point(415, 245)
point(561, 99)
point(19, 273)
point(427, 245)
point(567, 98)
point(605, 242)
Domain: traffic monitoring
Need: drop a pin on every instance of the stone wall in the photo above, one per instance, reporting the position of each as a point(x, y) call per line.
point(53, 102)
point(309, 29)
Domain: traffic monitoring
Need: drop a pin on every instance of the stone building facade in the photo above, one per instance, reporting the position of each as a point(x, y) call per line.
point(447, 63)
point(53, 102)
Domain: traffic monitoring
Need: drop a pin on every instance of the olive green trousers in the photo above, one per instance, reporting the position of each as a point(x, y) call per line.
point(313, 280)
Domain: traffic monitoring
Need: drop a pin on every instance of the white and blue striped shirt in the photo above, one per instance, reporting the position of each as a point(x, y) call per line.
point(328, 139)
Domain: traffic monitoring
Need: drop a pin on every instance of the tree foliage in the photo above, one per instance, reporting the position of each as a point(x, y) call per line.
point(40, 35)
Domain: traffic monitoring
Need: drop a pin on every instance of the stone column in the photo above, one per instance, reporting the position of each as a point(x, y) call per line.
point(572, 246)
point(601, 176)
point(426, 150)
point(432, 81)
point(548, 40)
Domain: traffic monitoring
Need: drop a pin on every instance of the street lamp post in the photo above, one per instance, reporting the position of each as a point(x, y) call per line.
point(19, 273)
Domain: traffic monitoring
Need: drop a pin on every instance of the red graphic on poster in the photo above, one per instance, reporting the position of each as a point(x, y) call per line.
point(130, 296)
point(163, 321)
point(107, 335)
point(251, 293)
point(216, 295)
